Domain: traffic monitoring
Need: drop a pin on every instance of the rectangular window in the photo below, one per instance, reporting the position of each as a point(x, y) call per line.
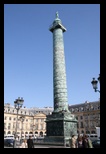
point(31, 126)
point(4, 125)
point(42, 120)
point(18, 125)
point(14, 125)
point(36, 126)
point(26, 126)
point(36, 120)
point(44, 126)
point(81, 124)
point(81, 117)
point(41, 127)
point(9, 125)
point(5, 118)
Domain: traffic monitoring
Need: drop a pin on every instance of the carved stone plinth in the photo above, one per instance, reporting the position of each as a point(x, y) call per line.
point(60, 127)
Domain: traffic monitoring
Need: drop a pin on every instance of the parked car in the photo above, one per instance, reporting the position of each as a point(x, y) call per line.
point(9, 136)
point(96, 143)
point(8, 142)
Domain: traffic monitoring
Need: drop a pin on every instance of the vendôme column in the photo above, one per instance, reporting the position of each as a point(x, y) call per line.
point(61, 124)
point(59, 71)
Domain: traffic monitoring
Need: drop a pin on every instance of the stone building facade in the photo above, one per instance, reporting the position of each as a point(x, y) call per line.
point(33, 123)
point(88, 115)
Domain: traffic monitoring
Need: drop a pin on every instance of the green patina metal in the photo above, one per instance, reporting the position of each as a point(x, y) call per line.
point(61, 124)
point(57, 15)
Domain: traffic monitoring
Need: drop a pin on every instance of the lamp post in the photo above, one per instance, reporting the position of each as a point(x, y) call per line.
point(94, 84)
point(22, 118)
point(18, 104)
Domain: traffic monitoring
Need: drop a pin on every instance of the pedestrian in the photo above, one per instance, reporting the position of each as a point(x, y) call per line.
point(24, 144)
point(87, 143)
point(30, 142)
point(73, 142)
point(90, 143)
point(80, 142)
point(16, 143)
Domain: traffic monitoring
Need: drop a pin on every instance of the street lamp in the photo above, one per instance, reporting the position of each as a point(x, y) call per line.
point(22, 118)
point(94, 84)
point(18, 104)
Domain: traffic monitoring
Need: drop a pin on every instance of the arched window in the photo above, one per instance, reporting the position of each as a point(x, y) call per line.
point(36, 132)
point(41, 133)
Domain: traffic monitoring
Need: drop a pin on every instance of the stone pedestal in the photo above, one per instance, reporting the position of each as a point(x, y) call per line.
point(60, 127)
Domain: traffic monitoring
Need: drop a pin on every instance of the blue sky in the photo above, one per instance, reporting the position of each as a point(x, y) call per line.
point(28, 52)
